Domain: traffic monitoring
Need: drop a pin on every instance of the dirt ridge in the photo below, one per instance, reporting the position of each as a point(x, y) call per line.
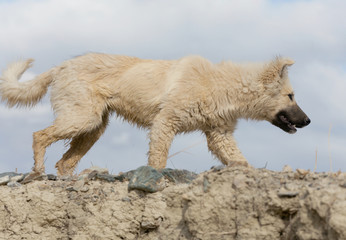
point(228, 203)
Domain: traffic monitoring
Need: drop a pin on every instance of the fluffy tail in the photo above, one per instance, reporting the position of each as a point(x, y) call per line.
point(26, 94)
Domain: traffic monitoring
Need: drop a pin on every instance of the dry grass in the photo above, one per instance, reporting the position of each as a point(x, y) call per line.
point(329, 151)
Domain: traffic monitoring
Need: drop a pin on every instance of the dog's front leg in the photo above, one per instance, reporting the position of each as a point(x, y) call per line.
point(161, 136)
point(223, 146)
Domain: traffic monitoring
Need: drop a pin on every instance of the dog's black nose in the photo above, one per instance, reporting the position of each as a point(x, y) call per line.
point(307, 121)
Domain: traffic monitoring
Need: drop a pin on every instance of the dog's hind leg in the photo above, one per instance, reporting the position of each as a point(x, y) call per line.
point(79, 146)
point(42, 139)
point(69, 125)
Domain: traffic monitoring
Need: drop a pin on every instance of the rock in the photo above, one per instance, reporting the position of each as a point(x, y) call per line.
point(126, 199)
point(95, 169)
point(95, 173)
point(217, 168)
point(51, 177)
point(239, 181)
point(341, 176)
point(78, 185)
point(287, 168)
point(322, 215)
point(147, 179)
point(301, 173)
point(4, 179)
point(10, 176)
point(178, 176)
point(16, 177)
point(153, 214)
point(34, 176)
point(70, 188)
point(151, 224)
point(205, 184)
point(13, 184)
point(90, 176)
point(84, 189)
point(125, 176)
point(105, 177)
point(68, 178)
point(284, 193)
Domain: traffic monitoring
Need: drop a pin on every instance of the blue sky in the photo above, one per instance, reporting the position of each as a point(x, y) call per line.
point(313, 33)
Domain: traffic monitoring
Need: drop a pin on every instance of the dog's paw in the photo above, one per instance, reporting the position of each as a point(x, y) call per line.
point(33, 176)
point(239, 164)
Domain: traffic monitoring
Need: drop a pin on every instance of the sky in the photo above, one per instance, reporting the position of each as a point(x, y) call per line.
point(313, 33)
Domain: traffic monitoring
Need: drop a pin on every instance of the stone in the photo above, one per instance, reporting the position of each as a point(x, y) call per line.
point(17, 178)
point(92, 171)
point(67, 178)
point(78, 185)
point(126, 199)
point(302, 172)
point(287, 168)
point(105, 177)
point(239, 181)
point(4, 179)
point(51, 177)
point(70, 188)
point(151, 224)
point(90, 176)
point(289, 194)
point(178, 176)
point(343, 184)
point(125, 176)
point(10, 176)
point(217, 168)
point(206, 184)
point(147, 179)
point(153, 214)
point(13, 184)
point(34, 176)
point(84, 189)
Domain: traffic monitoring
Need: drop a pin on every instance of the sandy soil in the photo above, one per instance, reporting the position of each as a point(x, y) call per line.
point(231, 203)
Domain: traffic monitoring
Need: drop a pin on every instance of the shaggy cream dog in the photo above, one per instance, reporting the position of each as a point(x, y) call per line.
point(167, 97)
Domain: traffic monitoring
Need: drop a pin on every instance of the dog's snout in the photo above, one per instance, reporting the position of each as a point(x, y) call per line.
point(307, 121)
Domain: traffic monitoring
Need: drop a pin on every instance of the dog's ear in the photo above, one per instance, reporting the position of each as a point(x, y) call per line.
point(282, 65)
point(275, 70)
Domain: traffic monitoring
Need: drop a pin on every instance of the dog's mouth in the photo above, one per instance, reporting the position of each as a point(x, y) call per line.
point(290, 119)
point(289, 127)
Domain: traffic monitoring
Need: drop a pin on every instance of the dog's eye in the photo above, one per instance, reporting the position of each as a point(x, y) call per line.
point(290, 96)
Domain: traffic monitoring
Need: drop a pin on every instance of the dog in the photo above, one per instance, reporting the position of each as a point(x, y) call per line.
point(165, 96)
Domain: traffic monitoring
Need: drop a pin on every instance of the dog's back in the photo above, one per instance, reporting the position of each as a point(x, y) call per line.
point(134, 88)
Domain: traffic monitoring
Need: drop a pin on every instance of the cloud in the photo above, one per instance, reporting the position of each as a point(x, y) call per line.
point(121, 139)
point(311, 32)
point(39, 112)
point(157, 28)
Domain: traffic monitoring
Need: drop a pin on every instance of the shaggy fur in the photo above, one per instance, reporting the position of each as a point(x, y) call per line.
point(167, 97)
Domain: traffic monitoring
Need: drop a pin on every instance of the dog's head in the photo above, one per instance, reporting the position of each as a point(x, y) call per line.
point(281, 108)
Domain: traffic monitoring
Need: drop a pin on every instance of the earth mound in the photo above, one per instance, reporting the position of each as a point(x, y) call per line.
point(223, 203)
